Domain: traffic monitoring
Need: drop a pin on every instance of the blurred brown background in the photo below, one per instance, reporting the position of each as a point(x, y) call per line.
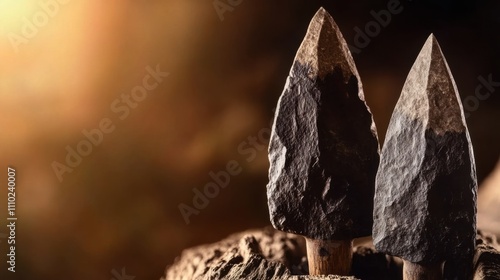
point(119, 207)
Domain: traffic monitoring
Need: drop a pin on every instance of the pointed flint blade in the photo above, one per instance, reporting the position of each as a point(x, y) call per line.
point(324, 149)
point(425, 198)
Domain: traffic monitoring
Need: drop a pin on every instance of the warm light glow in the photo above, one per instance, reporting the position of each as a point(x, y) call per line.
point(12, 13)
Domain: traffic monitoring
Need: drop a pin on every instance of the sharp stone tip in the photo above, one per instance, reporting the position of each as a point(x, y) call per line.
point(324, 47)
point(430, 91)
point(322, 10)
point(431, 46)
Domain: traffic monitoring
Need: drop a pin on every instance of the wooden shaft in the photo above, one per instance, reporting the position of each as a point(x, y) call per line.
point(413, 271)
point(329, 256)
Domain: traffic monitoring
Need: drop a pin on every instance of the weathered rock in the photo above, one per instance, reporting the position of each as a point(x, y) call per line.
point(324, 149)
point(269, 254)
point(487, 258)
point(425, 197)
point(248, 255)
point(488, 238)
point(266, 253)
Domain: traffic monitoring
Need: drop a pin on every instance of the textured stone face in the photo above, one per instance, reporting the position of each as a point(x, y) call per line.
point(487, 258)
point(324, 150)
point(268, 254)
point(425, 197)
point(489, 263)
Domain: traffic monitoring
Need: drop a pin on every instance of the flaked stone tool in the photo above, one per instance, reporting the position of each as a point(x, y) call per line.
point(425, 194)
point(323, 151)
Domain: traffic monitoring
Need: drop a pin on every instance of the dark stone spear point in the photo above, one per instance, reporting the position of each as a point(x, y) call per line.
point(324, 150)
point(425, 198)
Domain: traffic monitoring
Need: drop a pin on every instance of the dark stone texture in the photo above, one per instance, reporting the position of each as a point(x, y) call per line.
point(487, 263)
point(425, 197)
point(487, 258)
point(257, 254)
point(324, 150)
point(267, 254)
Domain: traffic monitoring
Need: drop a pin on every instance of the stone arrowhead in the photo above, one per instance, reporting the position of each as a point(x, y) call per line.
point(324, 150)
point(425, 197)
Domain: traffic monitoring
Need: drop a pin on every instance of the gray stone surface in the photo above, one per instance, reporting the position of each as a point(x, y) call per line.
point(425, 197)
point(323, 150)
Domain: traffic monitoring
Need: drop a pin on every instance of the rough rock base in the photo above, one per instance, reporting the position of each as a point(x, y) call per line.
point(271, 254)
